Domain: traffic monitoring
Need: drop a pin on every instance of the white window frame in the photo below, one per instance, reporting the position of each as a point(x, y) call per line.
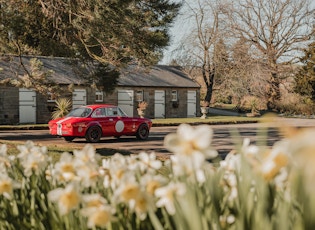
point(139, 95)
point(174, 95)
point(99, 94)
point(50, 97)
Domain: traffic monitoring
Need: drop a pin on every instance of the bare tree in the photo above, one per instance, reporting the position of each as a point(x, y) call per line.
point(277, 29)
point(199, 52)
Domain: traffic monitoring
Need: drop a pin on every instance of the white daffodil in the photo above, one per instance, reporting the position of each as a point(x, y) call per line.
point(93, 200)
point(152, 182)
point(64, 170)
point(274, 161)
point(34, 159)
point(25, 149)
point(249, 149)
point(67, 199)
point(167, 196)
point(5, 160)
point(133, 162)
point(114, 170)
point(231, 185)
point(191, 147)
point(7, 185)
point(232, 162)
point(98, 216)
point(148, 162)
point(128, 191)
point(88, 174)
point(191, 140)
point(143, 204)
point(87, 154)
point(185, 165)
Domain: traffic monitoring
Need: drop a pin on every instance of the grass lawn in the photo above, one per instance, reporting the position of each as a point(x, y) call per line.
point(208, 120)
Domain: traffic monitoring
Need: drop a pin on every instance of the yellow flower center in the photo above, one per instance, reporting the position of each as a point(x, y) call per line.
point(5, 187)
point(70, 199)
point(100, 218)
point(94, 203)
point(67, 168)
point(130, 192)
point(141, 204)
point(152, 186)
point(271, 167)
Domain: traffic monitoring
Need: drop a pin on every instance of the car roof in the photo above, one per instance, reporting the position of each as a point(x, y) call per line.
point(95, 106)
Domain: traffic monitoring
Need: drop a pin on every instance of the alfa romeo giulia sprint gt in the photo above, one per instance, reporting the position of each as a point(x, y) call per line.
point(93, 122)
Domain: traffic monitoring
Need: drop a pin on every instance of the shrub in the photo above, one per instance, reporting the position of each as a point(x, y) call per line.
point(63, 106)
point(295, 104)
point(252, 104)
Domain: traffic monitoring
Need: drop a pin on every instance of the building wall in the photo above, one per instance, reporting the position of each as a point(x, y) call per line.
point(172, 109)
point(9, 101)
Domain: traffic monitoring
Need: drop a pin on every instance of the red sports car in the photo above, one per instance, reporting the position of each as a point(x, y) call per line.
point(96, 121)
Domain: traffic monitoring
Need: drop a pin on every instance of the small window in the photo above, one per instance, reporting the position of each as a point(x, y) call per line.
point(51, 97)
point(139, 95)
point(99, 96)
point(174, 95)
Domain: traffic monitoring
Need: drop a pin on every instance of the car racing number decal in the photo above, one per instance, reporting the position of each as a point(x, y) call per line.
point(119, 126)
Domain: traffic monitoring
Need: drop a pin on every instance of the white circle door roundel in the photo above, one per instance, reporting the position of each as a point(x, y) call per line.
point(119, 126)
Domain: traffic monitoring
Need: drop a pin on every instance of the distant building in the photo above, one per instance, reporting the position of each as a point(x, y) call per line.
point(168, 91)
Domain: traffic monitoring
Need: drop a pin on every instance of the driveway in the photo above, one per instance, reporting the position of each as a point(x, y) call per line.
point(223, 138)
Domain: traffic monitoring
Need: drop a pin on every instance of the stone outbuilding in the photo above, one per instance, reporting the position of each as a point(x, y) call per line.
point(168, 91)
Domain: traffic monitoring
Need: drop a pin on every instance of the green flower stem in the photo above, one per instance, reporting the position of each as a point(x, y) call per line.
point(155, 221)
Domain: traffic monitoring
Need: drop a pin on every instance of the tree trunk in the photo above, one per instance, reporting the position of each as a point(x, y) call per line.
point(273, 93)
point(209, 84)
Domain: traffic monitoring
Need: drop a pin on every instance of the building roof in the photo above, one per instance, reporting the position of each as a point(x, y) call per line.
point(158, 75)
point(64, 69)
point(67, 71)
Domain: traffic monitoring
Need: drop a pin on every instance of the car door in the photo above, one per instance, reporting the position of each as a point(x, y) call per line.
point(104, 117)
point(130, 123)
point(112, 125)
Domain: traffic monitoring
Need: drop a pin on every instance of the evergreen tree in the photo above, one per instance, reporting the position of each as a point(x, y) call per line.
point(103, 32)
point(305, 79)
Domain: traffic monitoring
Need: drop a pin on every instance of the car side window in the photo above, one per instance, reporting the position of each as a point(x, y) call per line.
point(100, 112)
point(112, 111)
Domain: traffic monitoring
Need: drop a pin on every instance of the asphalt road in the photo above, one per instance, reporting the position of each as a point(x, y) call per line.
point(224, 138)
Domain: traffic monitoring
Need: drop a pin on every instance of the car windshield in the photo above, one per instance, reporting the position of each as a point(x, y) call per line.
point(80, 112)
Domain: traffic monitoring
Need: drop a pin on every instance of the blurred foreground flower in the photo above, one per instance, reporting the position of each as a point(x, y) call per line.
point(7, 185)
point(254, 187)
point(194, 142)
point(167, 196)
point(191, 147)
point(34, 159)
point(98, 211)
point(67, 198)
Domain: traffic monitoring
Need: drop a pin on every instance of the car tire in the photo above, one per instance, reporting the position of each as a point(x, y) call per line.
point(93, 134)
point(68, 139)
point(142, 132)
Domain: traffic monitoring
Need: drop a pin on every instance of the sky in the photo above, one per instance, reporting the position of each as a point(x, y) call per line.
point(181, 28)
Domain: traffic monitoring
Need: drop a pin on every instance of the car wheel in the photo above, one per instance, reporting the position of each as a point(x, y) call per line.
point(93, 134)
point(69, 139)
point(142, 132)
